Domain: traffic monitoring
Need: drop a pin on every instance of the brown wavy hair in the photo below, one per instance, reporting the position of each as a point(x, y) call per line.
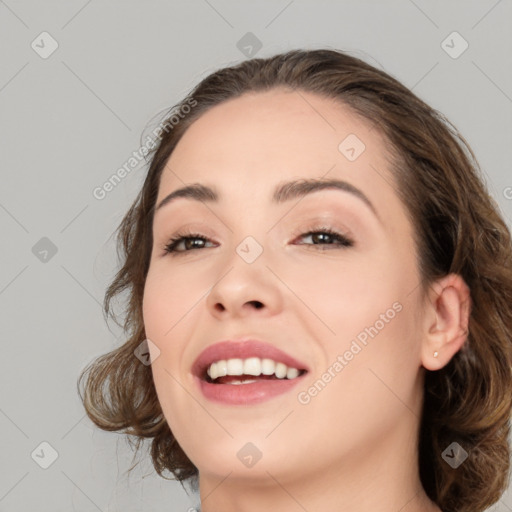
point(458, 229)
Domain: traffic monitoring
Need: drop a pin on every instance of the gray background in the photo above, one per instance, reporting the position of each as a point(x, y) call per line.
point(70, 120)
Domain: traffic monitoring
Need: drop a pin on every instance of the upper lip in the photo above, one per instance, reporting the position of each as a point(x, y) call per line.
point(243, 349)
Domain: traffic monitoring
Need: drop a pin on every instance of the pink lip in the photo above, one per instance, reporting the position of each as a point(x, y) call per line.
point(244, 393)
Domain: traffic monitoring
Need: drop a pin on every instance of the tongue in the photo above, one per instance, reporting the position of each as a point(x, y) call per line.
point(229, 378)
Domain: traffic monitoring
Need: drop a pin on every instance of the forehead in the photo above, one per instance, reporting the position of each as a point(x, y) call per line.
point(245, 146)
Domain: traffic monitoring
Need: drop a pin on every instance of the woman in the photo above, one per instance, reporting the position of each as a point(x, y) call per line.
point(324, 286)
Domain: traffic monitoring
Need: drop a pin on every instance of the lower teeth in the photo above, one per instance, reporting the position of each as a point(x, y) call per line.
point(236, 382)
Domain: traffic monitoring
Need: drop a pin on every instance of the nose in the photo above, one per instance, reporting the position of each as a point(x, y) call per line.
point(245, 289)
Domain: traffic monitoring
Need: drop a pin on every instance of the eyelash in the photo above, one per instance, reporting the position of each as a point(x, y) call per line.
point(343, 240)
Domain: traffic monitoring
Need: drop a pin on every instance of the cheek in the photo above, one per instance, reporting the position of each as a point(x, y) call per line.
point(168, 297)
point(345, 295)
point(369, 378)
point(364, 310)
point(164, 308)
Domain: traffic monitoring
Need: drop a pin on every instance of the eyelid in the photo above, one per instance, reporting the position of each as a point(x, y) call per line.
point(323, 224)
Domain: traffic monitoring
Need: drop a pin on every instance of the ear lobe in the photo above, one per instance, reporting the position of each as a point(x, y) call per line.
point(446, 322)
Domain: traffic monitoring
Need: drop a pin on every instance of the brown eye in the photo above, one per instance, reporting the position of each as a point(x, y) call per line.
point(327, 237)
point(185, 243)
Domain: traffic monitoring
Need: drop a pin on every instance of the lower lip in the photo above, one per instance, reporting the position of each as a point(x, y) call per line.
point(246, 394)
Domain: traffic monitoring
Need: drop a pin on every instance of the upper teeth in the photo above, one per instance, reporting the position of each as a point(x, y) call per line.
point(251, 366)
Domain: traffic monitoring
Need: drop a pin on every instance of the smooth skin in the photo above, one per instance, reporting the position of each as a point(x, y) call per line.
point(353, 446)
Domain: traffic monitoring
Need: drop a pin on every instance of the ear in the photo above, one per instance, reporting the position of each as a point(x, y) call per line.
point(446, 321)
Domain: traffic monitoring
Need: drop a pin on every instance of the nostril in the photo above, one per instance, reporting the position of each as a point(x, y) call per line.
point(256, 303)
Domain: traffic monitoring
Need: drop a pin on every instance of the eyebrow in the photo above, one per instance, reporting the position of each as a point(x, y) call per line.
point(284, 192)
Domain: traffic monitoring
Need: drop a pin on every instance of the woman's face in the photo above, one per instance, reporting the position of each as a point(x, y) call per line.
point(260, 266)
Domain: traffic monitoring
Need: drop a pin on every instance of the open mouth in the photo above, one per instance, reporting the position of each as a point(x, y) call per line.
point(246, 372)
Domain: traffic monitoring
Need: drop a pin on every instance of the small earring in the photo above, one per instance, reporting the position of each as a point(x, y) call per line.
point(436, 353)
